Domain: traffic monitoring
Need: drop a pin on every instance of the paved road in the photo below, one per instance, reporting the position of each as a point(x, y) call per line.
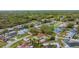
point(11, 43)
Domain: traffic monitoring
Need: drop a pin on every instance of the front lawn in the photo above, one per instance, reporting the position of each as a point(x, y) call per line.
point(17, 44)
point(21, 36)
point(2, 43)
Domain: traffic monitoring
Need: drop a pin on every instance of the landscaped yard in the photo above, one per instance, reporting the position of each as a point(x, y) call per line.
point(21, 36)
point(2, 43)
point(17, 44)
point(57, 24)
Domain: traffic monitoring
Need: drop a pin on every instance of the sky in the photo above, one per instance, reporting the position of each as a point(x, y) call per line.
point(39, 5)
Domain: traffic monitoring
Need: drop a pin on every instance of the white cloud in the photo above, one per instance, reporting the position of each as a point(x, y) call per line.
point(39, 4)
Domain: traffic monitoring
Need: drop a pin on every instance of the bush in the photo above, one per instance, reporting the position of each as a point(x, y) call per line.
point(34, 31)
point(46, 29)
point(70, 25)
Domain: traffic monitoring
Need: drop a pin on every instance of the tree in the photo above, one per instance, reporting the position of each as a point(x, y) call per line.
point(70, 18)
point(78, 29)
point(34, 31)
point(70, 25)
point(50, 16)
point(4, 32)
point(46, 29)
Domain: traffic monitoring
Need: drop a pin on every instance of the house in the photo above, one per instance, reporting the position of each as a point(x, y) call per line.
point(23, 45)
point(42, 37)
point(1, 30)
point(37, 24)
point(62, 17)
point(29, 33)
point(63, 25)
point(10, 29)
point(19, 27)
point(75, 26)
point(45, 20)
point(46, 44)
point(27, 40)
point(52, 19)
point(3, 38)
point(22, 31)
point(42, 40)
point(77, 21)
point(73, 43)
point(71, 33)
point(12, 34)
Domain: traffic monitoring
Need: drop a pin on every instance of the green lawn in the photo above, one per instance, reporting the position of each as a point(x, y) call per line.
point(2, 43)
point(17, 44)
point(21, 36)
point(57, 24)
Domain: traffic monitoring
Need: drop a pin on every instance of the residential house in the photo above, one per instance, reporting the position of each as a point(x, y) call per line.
point(42, 37)
point(10, 29)
point(11, 34)
point(22, 31)
point(3, 38)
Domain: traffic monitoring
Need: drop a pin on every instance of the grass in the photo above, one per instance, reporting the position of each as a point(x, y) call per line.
point(21, 36)
point(54, 46)
point(57, 24)
point(2, 43)
point(17, 44)
point(76, 47)
point(11, 39)
point(60, 42)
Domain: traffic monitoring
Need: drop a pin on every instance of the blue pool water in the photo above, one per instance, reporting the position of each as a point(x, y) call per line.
point(58, 30)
